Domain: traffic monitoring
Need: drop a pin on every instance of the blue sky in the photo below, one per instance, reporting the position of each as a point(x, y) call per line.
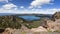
point(17, 6)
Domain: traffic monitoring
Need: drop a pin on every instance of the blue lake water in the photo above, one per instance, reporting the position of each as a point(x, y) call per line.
point(30, 17)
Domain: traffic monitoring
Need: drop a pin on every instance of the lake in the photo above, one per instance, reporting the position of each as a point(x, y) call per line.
point(30, 17)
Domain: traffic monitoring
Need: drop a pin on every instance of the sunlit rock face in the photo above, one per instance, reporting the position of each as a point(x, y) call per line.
point(53, 25)
point(39, 29)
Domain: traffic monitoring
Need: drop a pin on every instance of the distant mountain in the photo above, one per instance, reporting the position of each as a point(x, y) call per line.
point(6, 14)
point(3, 14)
point(45, 15)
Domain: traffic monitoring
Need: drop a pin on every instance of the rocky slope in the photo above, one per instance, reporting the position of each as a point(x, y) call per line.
point(10, 21)
point(16, 24)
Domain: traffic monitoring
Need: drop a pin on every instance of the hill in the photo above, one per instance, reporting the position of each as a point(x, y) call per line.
point(57, 15)
point(10, 21)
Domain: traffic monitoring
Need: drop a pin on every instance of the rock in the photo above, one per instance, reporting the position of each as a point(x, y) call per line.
point(39, 29)
point(9, 31)
point(57, 15)
point(54, 25)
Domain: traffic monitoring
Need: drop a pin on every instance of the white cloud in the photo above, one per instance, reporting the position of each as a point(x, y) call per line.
point(8, 11)
point(21, 6)
point(35, 11)
point(40, 11)
point(9, 6)
point(37, 3)
point(3, 0)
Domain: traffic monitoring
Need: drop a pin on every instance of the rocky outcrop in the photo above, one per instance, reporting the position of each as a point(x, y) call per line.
point(39, 29)
point(24, 30)
point(8, 31)
point(53, 25)
point(56, 15)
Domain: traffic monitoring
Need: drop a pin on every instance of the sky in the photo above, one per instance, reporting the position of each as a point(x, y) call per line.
point(29, 6)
